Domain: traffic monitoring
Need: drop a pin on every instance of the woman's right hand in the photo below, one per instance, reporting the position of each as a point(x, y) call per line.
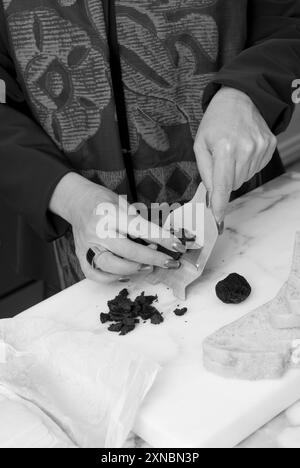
point(84, 205)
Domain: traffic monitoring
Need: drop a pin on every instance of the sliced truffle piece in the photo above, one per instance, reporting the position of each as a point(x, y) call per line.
point(128, 321)
point(104, 318)
point(135, 311)
point(234, 289)
point(180, 312)
point(121, 303)
point(187, 237)
point(124, 293)
point(126, 329)
point(157, 318)
point(145, 300)
point(116, 327)
point(147, 312)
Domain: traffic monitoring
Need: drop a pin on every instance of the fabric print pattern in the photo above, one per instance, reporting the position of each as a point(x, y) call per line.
point(6, 3)
point(66, 78)
point(169, 53)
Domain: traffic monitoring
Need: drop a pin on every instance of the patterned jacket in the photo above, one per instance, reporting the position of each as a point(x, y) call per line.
point(60, 113)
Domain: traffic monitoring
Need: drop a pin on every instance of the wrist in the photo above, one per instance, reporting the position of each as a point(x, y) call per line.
point(73, 194)
point(235, 93)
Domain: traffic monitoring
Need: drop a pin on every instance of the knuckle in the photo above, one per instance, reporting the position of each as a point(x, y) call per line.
point(248, 146)
point(227, 145)
point(273, 142)
point(262, 143)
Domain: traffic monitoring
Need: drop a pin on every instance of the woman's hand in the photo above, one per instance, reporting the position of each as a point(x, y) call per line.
point(94, 212)
point(232, 145)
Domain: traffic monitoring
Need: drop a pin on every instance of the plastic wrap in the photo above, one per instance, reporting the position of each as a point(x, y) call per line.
point(91, 386)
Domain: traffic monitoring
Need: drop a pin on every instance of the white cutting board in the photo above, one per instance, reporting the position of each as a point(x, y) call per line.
point(187, 406)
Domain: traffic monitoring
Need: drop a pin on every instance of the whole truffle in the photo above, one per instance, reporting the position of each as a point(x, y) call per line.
point(234, 289)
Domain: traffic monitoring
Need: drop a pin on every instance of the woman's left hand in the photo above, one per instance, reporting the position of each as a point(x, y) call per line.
point(232, 145)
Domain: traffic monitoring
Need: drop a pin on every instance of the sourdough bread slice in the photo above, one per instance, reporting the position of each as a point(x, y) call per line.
point(265, 343)
point(251, 348)
point(288, 315)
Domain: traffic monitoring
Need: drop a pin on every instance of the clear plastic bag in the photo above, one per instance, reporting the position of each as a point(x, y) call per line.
point(91, 386)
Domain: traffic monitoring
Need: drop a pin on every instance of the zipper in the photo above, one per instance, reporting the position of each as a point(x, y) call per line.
point(119, 92)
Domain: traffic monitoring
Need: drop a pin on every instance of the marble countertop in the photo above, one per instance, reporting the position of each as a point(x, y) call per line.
point(258, 243)
point(266, 437)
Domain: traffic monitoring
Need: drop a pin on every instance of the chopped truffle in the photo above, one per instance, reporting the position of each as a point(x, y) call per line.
point(157, 318)
point(104, 318)
point(127, 329)
point(233, 290)
point(180, 312)
point(126, 314)
point(143, 299)
point(116, 327)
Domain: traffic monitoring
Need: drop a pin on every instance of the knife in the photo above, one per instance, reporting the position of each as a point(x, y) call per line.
point(198, 219)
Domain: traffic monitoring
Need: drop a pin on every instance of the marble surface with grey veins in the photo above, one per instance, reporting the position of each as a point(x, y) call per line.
point(258, 243)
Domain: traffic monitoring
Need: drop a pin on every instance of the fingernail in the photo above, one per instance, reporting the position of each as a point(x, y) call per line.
point(221, 227)
point(195, 246)
point(179, 247)
point(208, 203)
point(145, 268)
point(172, 265)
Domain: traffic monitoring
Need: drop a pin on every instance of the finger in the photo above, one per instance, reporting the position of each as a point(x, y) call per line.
point(96, 275)
point(223, 179)
point(109, 263)
point(143, 255)
point(205, 164)
point(243, 173)
point(139, 227)
point(257, 159)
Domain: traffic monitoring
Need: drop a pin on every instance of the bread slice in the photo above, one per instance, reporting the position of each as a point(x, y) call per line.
point(288, 316)
point(265, 343)
point(285, 317)
point(251, 348)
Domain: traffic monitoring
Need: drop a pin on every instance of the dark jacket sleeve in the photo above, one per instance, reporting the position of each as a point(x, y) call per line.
point(30, 163)
point(266, 69)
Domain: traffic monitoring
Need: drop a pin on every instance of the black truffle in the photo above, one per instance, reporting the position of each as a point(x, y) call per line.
point(234, 289)
point(125, 314)
point(157, 318)
point(105, 318)
point(180, 312)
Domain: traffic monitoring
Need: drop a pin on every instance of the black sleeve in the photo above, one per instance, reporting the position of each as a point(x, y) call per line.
point(31, 165)
point(266, 69)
